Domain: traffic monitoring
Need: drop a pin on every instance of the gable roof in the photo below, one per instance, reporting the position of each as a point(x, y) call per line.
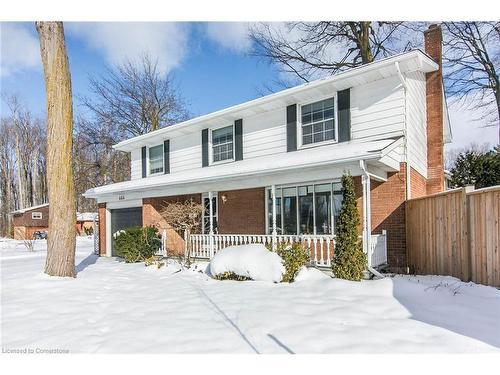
point(380, 69)
point(27, 209)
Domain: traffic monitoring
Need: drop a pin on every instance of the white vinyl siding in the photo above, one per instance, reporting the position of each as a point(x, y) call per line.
point(135, 164)
point(377, 109)
point(417, 119)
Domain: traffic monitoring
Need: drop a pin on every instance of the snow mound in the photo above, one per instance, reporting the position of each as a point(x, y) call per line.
point(253, 261)
point(310, 274)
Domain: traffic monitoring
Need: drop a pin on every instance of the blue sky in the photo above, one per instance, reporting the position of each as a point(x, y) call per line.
point(209, 61)
point(210, 74)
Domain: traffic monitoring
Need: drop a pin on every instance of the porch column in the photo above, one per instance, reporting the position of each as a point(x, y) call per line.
point(211, 218)
point(274, 232)
point(367, 222)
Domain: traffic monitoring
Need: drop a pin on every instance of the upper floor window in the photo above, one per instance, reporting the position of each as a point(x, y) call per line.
point(156, 159)
point(36, 215)
point(318, 121)
point(222, 144)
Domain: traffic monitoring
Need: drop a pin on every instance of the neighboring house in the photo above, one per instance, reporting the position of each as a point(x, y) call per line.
point(272, 166)
point(85, 222)
point(31, 219)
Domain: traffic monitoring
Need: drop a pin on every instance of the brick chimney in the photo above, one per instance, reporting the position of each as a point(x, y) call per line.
point(434, 84)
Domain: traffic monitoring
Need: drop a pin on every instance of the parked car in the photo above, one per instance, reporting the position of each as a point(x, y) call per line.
point(40, 235)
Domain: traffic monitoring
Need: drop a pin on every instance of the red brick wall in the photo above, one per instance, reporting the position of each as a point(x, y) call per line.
point(102, 228)
point(388, 213)
point(242, 211)
point(435, 116)
point(418, 184)
point(151, 208)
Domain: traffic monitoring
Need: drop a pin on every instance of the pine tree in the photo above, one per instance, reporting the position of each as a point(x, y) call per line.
point(350, 261)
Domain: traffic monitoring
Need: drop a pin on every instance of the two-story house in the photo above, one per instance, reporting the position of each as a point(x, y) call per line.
point(270, 168)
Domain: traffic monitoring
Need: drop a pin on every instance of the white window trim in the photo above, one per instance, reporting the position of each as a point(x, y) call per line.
point(215, 195)
point(296, 186)
point(148, 169)
point(211, 149)
point(300, 145)
point(36, 218)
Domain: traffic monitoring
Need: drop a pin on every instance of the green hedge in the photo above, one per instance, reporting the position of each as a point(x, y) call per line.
point(137, 244)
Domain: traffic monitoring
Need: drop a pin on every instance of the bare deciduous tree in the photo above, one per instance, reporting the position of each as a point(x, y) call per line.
point(134, 99)
point(308, 48)
point(62, 238)
point(183, 217)
point(472, 58)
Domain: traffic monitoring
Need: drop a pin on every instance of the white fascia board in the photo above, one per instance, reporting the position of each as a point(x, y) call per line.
point(283, 98)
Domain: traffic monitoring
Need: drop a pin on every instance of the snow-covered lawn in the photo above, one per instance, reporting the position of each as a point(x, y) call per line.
point(118, 307)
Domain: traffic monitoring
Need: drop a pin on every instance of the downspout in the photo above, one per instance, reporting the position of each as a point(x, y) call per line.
point(405, 131)
point(367, 213)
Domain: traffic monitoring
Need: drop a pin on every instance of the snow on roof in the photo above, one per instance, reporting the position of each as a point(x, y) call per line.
point(336, 153)
point(26, 209)
point(86, 216)
point(408, 61)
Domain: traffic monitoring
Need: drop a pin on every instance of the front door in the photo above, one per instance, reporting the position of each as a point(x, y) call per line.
point(124, 218)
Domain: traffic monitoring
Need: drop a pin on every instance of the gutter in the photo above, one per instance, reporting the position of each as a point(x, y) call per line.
point(367, 225)
point(407, 159)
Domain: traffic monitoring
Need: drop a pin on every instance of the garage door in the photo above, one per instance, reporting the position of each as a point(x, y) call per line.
point(124, 218)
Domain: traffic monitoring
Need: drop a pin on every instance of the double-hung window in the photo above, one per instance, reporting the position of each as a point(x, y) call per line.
point(223, 144)
point(156, 159)
point(318, 122)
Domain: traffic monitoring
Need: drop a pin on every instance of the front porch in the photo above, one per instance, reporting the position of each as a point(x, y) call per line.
point(205, 246)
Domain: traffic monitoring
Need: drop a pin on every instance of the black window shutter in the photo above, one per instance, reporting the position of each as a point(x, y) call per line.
point(344, 113)
point(166, 156)
point(291, 128)
point(143, 156)
point(204, 148)
point(238, 139)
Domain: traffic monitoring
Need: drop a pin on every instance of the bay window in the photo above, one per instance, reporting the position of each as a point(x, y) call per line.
point(305, 209)
point(318, 121)
point(156, 159)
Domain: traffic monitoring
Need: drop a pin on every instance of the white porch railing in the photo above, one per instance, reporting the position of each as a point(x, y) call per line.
point(378, 249)
point(321, 246)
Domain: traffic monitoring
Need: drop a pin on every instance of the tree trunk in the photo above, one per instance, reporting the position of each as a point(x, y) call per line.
point(62, 214)
point(497, 96)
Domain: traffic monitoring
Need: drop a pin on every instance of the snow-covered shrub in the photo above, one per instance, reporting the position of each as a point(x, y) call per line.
point(253, 261)
point(294, 256)
point(307, 274)
point(137, 243)
point(231, 276)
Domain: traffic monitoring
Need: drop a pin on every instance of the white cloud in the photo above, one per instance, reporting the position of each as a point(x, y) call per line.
point(466, 130)
point(230, 35)
point(19, 49)
point(118, 41)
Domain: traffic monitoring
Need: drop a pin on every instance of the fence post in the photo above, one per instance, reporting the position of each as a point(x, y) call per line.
point(465, 222)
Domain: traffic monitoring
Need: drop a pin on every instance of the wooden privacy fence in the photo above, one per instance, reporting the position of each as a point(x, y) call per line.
point(456, 233)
